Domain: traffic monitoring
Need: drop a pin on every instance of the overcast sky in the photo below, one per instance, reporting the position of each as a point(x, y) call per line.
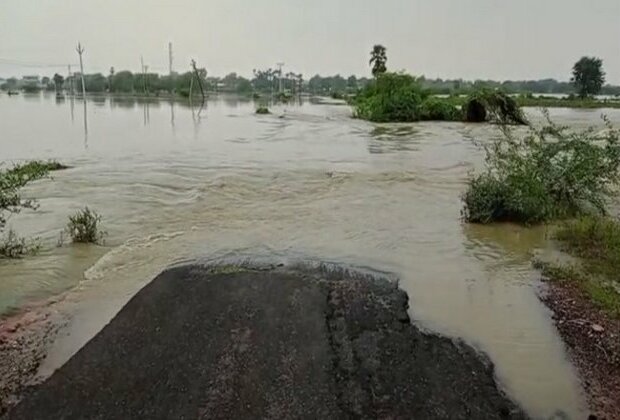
point(471, 39)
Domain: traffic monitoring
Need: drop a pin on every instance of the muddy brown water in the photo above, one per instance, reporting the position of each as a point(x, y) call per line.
point(305, 183)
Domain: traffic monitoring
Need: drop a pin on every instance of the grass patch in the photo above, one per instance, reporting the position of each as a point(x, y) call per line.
point(567, 102)
point(596, 242)
point(594, 239)
point(84, 227)
point(549, 174)
point(600, 290)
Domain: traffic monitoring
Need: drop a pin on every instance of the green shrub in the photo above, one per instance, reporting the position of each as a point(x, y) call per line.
point(548, 174)
point(12, 180)
point(436, 109)
point(493, 105)
point(14, 246)
point(391, 97)
point(83, 227)
point(262, 110)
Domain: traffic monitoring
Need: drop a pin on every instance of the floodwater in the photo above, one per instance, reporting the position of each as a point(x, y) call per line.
point(305, 183)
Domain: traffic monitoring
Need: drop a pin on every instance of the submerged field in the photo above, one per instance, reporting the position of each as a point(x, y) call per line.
point(306, 182)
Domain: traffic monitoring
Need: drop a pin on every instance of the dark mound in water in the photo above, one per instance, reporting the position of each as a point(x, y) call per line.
point(231, 342)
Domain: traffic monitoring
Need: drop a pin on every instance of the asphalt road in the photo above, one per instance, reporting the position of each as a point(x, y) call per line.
point(199, 342)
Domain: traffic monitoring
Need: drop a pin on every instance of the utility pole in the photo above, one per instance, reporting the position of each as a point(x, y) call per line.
point(143, 71)
point(146, 81)
point(170, 58)
point(80, 51)
point(70, 78)
point(280, 65)
point(198, 79)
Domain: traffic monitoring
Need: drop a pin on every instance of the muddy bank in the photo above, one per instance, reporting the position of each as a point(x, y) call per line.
point(279, 343)
point(593, 340)
point(24, 338)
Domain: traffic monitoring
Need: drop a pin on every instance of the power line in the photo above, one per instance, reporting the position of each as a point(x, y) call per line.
point(22, 63)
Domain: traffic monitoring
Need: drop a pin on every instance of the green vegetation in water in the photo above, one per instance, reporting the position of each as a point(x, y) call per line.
point(14, 246)
point(40, 166)
point(596, 242)
point(399, 97)
point(493, 105)
point(391, 97)
point(263, 110)
point(12, 180)
point(437, 109)
point(84, 227)
point(549, 174)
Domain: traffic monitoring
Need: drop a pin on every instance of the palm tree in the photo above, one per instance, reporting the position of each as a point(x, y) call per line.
point(378, 60)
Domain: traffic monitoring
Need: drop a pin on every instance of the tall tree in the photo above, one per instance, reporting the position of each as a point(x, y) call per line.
point(378, 60)
point(588, 76)
point(58, 82)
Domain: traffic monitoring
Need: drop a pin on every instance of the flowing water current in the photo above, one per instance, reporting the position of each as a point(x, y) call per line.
point(307, 182)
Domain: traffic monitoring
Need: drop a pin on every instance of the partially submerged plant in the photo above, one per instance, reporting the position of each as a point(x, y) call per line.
point(438, 109)
point(262, 110)
point(391, 97)
point(84, 227)
point(551, 173)
point(11, 182)
point(493, 105)
point(14, 246)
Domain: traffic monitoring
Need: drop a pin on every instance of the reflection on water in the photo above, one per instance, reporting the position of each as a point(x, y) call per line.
point(306, 182)
point(85, 123)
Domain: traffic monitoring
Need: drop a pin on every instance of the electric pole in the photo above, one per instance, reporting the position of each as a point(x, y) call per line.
point(70, 79)
point(170, 58)
point(143, 71)
point(80, 51)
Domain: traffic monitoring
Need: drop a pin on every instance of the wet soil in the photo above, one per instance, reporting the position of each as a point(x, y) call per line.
point(24, 338)
point(593, 339)
point(288, 342)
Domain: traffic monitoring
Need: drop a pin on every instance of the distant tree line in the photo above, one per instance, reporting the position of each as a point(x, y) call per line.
point(587, 79)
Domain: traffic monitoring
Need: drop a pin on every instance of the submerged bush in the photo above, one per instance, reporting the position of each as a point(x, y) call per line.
point(550, 173)
point(12, 180)
point(263, 110)
point(493, 105)
point(391, 97)
point(83, 227)
point(14, 246)
point(437, 109)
